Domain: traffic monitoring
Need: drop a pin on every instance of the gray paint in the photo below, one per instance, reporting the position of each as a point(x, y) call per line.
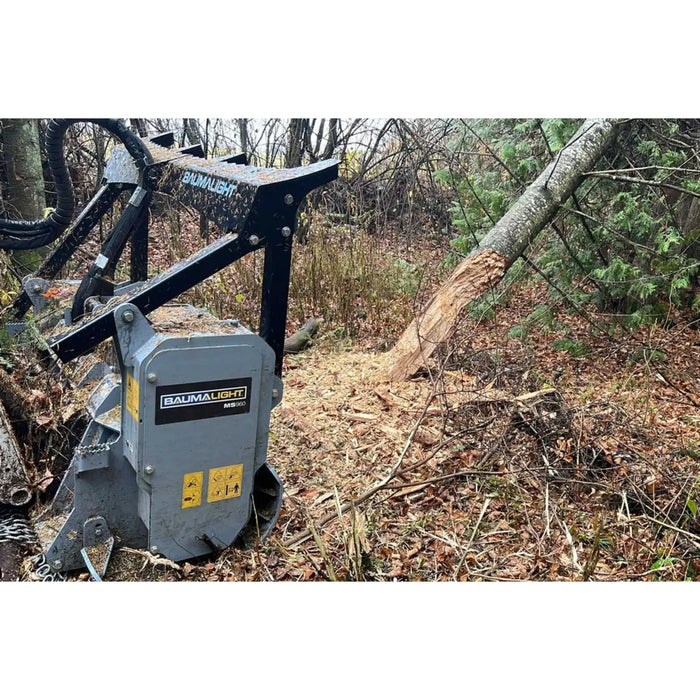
point(131, 472)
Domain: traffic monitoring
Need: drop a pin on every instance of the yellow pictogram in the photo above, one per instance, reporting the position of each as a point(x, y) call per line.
point(132, 396)
point(192, 489)
point(225, 482)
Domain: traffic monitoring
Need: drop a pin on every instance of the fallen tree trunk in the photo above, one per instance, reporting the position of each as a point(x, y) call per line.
point(15, 488)
point(300, 339)
point(485, 265)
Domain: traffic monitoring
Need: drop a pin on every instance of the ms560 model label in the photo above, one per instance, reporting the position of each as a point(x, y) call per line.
point(181, 402)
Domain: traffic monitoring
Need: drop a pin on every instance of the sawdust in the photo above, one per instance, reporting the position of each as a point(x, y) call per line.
point(342, 426)
point(182, 320)
point(98, 555)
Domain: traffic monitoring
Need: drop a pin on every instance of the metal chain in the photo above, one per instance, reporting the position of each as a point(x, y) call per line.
point(44, 571)
point(16, 528)
point(84, 450)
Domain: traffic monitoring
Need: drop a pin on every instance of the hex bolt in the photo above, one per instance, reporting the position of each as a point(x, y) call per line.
point(149, 469)
point(154, 550)
point(36, 287)
point(275, 393)
point(286, 232)
point(128, 316)
point(253, 240)
point(151, 378)
point(288, 199)
point(57, 564)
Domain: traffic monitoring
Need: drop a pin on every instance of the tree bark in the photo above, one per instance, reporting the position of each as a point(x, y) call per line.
point(140, 126)
point(25, 180)
point(332, 140)
point(192, 131)
point(243, 132)
point(295, 143)
point(487, 263)
point(14, 482)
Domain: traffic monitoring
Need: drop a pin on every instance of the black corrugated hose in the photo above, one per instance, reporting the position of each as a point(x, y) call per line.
point(23, 235)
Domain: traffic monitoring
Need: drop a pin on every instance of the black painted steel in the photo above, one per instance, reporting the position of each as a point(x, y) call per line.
point(275, 293)
point(259, 204)
point(96, 282)
point(152, 294)
point(139, 250)
point(98, 206)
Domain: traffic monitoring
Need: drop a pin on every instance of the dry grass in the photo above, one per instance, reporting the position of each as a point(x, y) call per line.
point(357, 284)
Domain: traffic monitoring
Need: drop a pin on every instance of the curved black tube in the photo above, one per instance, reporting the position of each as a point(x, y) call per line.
point(23, 235)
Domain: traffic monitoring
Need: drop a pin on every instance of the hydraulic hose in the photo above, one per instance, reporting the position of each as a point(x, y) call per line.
point(24, 235)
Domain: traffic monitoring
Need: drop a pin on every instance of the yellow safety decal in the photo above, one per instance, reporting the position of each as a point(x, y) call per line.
point(132, 396)
point(192, 489)
point(225, 482)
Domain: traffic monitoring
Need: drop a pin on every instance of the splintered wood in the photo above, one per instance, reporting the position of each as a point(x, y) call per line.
point(501, 246)
point(470, 280)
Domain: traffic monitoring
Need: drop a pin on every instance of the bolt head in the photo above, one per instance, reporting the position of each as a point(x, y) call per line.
point(288, 199)
point(149, 469)
point(36, 287)
point(151, 378)
point(57, 564)
point(154, 550)
point(128, 316)
point(286, 231)
point(253, 240)
point(275, 393)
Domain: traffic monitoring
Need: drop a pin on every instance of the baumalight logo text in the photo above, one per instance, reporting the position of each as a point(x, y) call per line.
point(199, 398)
point(207, 182)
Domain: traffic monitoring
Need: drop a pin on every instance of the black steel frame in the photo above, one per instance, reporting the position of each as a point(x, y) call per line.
point(259, 204)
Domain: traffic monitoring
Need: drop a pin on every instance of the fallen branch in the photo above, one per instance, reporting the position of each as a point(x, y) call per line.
point(471, 539)
point(300, 339)
point(640, 181)
point(152, 559)
point(15, 488)
point(668, 526)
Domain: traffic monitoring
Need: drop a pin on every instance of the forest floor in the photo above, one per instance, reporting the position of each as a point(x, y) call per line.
point(513, 461)
point(555, 453)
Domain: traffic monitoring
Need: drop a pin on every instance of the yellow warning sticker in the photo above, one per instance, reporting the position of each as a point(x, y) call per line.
point(192, 489)
point(132, 396)
point(225, 482)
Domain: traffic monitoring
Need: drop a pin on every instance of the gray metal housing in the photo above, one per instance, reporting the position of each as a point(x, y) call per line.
point(166, 461)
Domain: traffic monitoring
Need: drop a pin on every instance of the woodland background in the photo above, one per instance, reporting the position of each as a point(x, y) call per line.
point(554, 436)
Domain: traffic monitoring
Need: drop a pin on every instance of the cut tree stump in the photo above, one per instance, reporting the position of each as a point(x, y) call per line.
point(503, 244)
